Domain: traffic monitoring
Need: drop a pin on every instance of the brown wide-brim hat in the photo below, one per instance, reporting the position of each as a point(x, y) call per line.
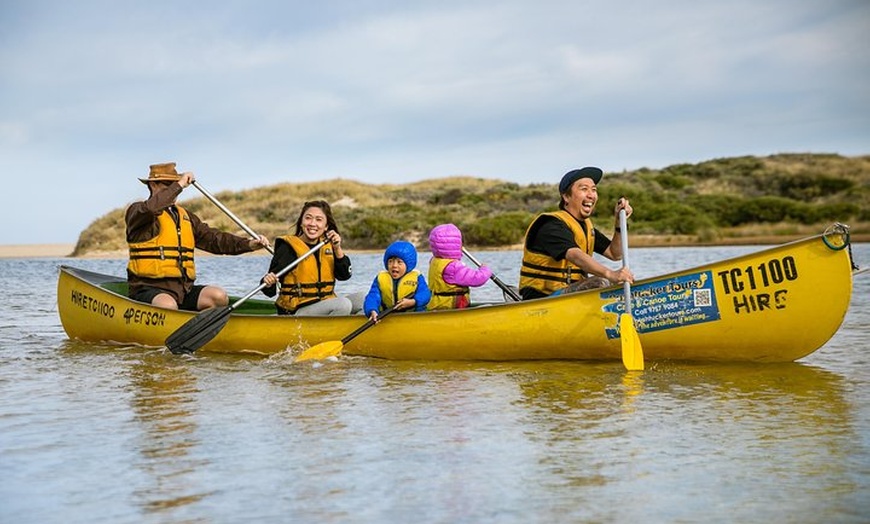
point(161, 173)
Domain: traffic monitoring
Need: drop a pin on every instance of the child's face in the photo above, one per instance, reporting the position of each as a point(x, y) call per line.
point(396, 266)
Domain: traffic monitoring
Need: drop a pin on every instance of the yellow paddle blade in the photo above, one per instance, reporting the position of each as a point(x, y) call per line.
point(321, 351)
point(632, 352)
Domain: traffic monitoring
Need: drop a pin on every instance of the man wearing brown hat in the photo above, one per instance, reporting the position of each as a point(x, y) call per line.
point(162, 235)
point(558, 248)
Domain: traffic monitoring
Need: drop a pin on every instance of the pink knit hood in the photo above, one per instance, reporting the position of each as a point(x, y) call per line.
point(445, 241)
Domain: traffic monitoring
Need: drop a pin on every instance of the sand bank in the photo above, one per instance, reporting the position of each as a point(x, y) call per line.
point(36, 250)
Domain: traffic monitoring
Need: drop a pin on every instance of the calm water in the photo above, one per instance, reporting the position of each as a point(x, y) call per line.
point(105, 434)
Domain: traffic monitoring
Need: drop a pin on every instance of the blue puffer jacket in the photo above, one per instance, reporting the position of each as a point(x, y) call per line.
point(408, 253)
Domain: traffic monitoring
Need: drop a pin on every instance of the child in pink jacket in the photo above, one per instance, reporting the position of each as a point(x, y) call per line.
point(450, 279)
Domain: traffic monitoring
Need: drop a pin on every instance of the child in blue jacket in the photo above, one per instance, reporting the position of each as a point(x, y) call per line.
point(398, 280)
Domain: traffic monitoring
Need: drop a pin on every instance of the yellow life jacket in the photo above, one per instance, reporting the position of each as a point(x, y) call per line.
point(546, 274)
point(310, 281)
point(444, 295)
point(407, 285)
point(170, 253)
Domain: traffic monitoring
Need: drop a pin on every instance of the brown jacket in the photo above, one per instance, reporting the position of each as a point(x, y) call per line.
point(142, 225)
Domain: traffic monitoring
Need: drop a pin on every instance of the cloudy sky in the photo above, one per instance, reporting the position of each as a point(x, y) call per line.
point(253, 93)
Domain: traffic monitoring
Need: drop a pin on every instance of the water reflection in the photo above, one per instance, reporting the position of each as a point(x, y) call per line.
point(632, 385)
point(382, 439)
point(784, 430)
point(149, 399)
point(161, 393)
point(575, 432)
point(164, 405)
point(374, 440)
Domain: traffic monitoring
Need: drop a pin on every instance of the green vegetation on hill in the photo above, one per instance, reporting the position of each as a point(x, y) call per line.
point(721, 200)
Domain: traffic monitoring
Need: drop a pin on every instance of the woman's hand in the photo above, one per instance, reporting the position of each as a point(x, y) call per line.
point(335, 238)
point(270, 279)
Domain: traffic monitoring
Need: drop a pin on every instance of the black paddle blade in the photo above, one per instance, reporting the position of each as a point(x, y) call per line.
point(198, 331)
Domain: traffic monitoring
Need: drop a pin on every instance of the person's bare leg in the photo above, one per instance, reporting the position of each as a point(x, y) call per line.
point(212, 296)
point(164, 300)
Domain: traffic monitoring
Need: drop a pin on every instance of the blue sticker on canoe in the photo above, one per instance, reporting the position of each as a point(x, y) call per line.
point(665, 304)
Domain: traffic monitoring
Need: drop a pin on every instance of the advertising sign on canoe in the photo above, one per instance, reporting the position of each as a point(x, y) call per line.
point(665, 304)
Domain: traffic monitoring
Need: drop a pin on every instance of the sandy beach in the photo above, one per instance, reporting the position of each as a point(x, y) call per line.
point(36, 250)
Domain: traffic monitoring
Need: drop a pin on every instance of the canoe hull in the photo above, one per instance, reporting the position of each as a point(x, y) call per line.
point(775, 305)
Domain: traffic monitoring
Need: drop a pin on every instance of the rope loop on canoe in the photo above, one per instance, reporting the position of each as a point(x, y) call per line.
point(836, 237)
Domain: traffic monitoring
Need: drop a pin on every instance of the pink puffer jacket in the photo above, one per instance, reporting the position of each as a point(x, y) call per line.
point(445, 241)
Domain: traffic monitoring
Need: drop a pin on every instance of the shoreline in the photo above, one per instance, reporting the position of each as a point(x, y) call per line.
point(638, 241)
point(36, 250)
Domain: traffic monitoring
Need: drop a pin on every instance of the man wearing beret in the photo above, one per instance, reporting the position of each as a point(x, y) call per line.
point(162, 236)
point(559, 246)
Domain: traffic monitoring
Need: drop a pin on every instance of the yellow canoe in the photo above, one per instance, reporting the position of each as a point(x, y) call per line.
point(774, 305)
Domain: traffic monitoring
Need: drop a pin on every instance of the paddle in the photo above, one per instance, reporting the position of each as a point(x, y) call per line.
point(632, 352)
point(229, 213)
point(199, 330)
point(333, 348)
point(504, 287)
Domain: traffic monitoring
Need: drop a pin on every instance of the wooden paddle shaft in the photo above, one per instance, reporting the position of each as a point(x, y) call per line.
point(365, 326)
point(286, 269)
point(199, 330)
point(371, 322)
point(229, 213)
point(623, 235)
point(504, 287)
